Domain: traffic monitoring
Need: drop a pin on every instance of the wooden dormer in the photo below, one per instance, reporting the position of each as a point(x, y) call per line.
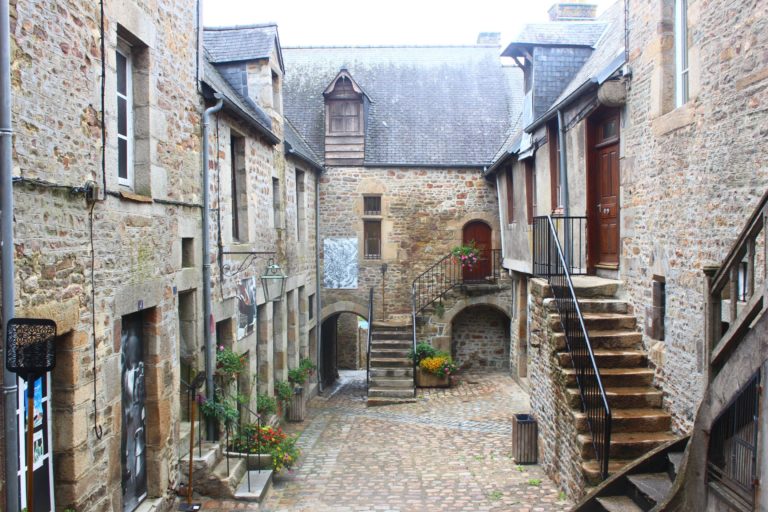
point(345, 106)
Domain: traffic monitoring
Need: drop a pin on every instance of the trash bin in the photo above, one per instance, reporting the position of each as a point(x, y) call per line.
point(525, 432)
point(297, 409)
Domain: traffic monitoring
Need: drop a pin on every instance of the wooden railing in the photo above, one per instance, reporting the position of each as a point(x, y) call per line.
point(733, 300)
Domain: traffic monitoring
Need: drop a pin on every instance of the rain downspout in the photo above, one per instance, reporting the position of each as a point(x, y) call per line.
point(6, 226)
point(207, 314)
point(564, 183)
point(318, 310)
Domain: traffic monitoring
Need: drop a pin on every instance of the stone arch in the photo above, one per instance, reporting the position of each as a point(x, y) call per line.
point(344, 306)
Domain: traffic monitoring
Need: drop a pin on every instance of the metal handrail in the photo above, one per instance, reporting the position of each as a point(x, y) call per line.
point(445, 275)
point(370, 337)
point(413, 348)
point(558, 273)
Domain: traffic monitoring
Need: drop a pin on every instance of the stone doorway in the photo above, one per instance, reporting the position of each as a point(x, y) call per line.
point(480, 337)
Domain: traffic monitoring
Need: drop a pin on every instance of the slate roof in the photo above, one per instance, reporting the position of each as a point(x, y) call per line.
point(559, 33)
point(430, 105)
point(295, 144)
point(243, 107)
point(239, 43)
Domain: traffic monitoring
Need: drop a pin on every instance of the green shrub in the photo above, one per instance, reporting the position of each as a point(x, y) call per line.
point(423, 350)
point(283, 393)
point(266, 405)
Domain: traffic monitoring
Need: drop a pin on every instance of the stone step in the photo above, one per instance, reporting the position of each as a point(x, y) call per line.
point(631, 420)
point(392, 335)
point(219, 483)
point(254, 485)
point(204, 457)
point(605, 339)
point(389, 352)
point(622, 397)
point(391, 382)
point(603, 306)
point(402, 344)
point(598, 322)
point(393, 372)
point(391, 362)
point(654, 487)
point(593, 287)
point(591, 469)
point(619, 504)
point(613, 377)
point(610, 358)
point(626, 445)
point(376, 401)
point(387, 392)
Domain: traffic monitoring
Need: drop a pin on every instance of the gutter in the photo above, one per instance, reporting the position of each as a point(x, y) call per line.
point(307, 160)
point(207, 314)
point(319, 302)
point(231, 106)
point(10, 390)
point(552, 112)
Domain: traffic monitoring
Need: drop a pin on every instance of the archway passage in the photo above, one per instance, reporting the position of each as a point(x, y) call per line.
point(478, 233)
point(343, 345)
point(480, 338)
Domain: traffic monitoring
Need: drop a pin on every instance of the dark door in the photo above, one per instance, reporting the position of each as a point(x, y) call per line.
point(328, 366)
point(133, 433)
point(605, 179)
point(479, 233)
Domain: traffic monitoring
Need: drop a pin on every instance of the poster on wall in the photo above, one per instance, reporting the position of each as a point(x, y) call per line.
point(133, 434)
point(246, 307)
point(42, 442)
point(340, 263)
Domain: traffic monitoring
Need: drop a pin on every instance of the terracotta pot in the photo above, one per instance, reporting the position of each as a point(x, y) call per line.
point(430, 380)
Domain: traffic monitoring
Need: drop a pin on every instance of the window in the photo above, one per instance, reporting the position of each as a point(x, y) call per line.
point(510, 196)
point(187, 252)
point(311, 307)
point(372, 205)
point(530, 189)
point(239, 189)
point(345, 117)
point(681, 52)
point(125, 142)
point(372, 239)
point(276, 203)
point(554, 166)
point(300, 211)
point(276, 96)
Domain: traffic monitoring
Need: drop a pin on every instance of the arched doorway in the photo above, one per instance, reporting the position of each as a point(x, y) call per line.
point(480, 338)
point(337, 333)
point(478, 233)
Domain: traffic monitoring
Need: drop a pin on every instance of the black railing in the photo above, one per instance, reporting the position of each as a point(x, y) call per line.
point(432, 284)
point(413, 341)
point(551, 262)
point(571, 235)
point(370, 337)
point(733, 446)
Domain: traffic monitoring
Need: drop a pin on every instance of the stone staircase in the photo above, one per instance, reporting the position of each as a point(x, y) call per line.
point(215, 476)
point(642, 486)
point(391, 370)
point(639, 422)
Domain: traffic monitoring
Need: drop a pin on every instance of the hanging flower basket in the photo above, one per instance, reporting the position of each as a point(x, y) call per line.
point(466, 255)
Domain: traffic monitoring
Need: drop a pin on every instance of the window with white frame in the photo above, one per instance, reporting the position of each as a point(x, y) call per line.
point(681, 52)
point(125, 107)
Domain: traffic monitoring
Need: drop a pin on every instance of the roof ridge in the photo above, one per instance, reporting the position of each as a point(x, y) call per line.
point(359, 47)
point(222, 28)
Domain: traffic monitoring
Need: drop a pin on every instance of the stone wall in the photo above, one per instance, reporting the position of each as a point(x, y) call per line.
point(480, 339)
point(348, 343)
point(690, 176)
point(423, 213)
point(559, 453)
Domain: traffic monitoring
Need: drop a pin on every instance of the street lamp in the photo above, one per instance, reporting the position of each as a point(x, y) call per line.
point(273, 281)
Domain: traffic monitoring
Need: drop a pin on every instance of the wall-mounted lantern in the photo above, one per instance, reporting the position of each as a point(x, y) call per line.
point(273, 281)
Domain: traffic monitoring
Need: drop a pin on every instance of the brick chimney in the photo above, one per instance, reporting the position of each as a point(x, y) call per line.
point(572, 11)
point(489, 38)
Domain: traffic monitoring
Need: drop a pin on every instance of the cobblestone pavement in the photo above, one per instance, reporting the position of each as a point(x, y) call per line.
point(449, 451)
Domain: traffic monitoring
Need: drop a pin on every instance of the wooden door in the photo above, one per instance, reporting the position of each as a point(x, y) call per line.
point(479, 233)
point(605, 198)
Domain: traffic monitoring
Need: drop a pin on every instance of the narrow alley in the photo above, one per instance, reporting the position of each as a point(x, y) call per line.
point(448, 451)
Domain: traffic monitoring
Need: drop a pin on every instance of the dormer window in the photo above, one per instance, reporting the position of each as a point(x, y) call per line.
point(345, 117)
point(345, 110)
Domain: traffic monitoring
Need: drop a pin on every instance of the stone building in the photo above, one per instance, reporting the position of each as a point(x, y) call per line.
point(405, 133)
point(111, 249)
point(633, 148)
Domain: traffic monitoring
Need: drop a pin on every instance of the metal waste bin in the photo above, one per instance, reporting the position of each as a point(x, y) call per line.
point(297, 409)
point(525, 432)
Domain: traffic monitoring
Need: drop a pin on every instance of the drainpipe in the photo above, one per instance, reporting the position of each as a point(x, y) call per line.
point(564, 185)
point(318, 310)
point(207, 314)
point(6, 226)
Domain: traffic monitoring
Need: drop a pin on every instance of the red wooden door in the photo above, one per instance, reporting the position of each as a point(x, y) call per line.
point(478, 233)
point(608, 204)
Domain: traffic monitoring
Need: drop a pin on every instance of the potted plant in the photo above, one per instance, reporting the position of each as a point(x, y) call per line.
point(467, 255)
point(220, 408)
point(284, 395)
point(228, 363)
point(435, 371)
point(271, 444)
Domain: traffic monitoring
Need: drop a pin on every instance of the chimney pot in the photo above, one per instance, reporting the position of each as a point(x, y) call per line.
point(489, 38)
point(572, 11)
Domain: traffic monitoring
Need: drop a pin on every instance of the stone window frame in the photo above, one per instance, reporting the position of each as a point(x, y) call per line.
point(554, 167)
point(239, 187)
point(682, 88)
point(277, 221)
point(301, 207)
point(370, 219)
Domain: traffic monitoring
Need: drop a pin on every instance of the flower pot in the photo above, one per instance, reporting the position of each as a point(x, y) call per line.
point(254, 461)
point(430, 380)
point(297, 410)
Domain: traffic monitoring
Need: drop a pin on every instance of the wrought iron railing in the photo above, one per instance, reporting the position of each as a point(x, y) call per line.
point(552, 263)
point(413, 341)
point(572, 236)
point(732, 450)
point(732, 287)
point(446, 274)
point(370, 337)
